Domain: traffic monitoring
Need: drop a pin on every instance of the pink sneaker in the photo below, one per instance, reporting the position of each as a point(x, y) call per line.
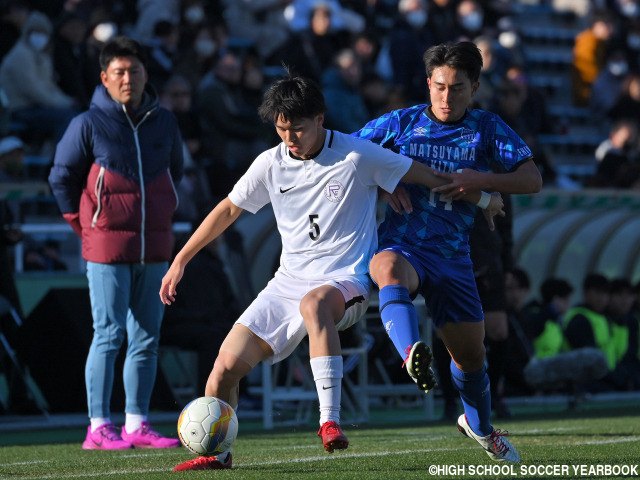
point(105, 437)
point(146, 437)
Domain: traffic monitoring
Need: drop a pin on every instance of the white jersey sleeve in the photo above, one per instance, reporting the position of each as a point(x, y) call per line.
point(251, 192)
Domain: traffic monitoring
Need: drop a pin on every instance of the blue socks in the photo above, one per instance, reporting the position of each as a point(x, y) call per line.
point(476, 398)
point(400, 321)
point(399, 317)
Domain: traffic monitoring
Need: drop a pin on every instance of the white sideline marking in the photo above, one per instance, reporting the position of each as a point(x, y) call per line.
point(351, 455)
point(154, 454)
point(25, 463)
point(612, 440)
point(547, 430)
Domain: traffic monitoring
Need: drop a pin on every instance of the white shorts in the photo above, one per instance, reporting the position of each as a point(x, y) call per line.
point(275, 317)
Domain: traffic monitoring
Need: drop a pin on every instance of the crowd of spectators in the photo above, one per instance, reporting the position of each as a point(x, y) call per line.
point(366, 55)
point(549, 323)
point(605, 78)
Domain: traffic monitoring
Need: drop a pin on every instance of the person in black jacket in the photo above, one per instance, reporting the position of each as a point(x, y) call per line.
point(492, 257)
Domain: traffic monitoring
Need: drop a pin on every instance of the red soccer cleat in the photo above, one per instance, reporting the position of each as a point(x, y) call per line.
point(204, 463)
point(332, 437)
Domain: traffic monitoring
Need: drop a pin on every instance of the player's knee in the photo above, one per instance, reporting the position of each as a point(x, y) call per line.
point(321, 308)
point(387, 268)
point(498, 333)
point(384, 270)
point(224, 376)
point(310, 307)
point(496, 325)
point(470, 359)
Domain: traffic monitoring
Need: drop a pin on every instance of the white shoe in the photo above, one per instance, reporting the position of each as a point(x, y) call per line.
point(495, 444)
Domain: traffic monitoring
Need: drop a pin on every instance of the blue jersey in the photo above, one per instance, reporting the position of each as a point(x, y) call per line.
point(477, 141)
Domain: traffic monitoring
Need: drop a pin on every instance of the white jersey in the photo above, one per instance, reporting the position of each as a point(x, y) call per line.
point(324, 207)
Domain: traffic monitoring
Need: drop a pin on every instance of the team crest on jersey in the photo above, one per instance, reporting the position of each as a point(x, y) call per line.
point(419, 132)
point(334, 191)
point(468, 135)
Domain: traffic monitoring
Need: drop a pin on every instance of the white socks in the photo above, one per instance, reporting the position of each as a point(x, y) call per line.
point(133, 422)
point(97, 422)
point(327, 373)
point(222, 457)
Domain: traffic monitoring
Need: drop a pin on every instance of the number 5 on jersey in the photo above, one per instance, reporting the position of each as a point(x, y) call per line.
point(314, 228)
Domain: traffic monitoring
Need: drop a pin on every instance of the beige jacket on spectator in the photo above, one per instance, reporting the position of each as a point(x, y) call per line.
point(27, 75)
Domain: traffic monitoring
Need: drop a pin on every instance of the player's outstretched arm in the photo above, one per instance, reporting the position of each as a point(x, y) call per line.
point(223, 215)
point(525, 179)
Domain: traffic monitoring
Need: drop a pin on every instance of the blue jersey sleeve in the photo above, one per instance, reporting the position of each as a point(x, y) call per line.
point(382, 130)
point(504, 146)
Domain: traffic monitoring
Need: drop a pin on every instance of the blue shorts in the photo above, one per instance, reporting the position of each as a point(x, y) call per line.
point(447, 284)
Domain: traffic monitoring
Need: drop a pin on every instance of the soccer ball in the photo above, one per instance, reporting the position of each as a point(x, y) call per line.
point(207, 426)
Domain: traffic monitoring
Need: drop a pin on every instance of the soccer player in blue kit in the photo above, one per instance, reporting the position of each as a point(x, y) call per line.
point(425, 250)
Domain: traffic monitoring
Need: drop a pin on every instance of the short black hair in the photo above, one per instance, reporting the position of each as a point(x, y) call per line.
point(521, 277)
point(292, 98)
point(163, 28)
point(596, 281)
point(121, 47)
point(555, 287)
point(464, 56)
point(620, 285)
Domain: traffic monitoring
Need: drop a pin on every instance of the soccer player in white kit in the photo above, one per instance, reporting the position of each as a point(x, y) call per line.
point(323, 187)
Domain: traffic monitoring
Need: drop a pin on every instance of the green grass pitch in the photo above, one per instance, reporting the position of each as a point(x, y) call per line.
point(389, 447)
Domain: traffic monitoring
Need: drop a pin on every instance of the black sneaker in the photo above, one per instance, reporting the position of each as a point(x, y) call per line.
point(418, 363)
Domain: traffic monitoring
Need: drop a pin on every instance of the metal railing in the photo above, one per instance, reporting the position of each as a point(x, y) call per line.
point(59, 228)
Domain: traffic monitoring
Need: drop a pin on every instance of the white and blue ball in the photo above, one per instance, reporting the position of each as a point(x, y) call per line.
point(207, 426)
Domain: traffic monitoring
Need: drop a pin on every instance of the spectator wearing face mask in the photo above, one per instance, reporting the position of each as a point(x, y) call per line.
point(207, 42)
point(27, 77)
point(408, 40)
point(470, 19)
point(609, 81)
